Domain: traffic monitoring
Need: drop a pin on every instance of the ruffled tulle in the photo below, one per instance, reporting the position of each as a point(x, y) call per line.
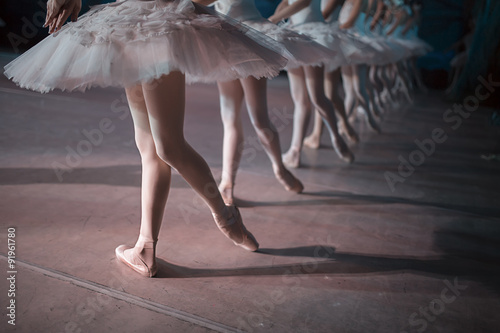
point(356, 48)
point(129, 42)
point(323, 34)
point(417, 46)
point(303, 50)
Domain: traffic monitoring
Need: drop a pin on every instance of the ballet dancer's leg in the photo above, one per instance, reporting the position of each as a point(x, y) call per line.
point(302, 110)
point(350, 100)
point(377, 87)
point(313, 140)
point(359, 82)
point(384, 75)
point(332, 84)
point(154, 190)
point(163, 100)
point(314, 80)
point(255, 92)
point(166, 113)
point(404, 80)
point(231, 98)
point(367, 87)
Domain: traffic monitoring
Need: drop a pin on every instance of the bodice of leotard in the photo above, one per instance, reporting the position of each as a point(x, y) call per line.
point(311, 13)
point(241, 10)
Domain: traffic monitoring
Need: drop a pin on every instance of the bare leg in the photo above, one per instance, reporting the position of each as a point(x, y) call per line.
point(231, 98)
point(155, 185)
point(256, 102)
point(158, 114)
point(168, 133)
point(314, 80)
point(350, 101)
point(403, 75)
point(377, 87)
point(359, 80)
point(332, 83)
point(386, 81)
point(302, 110)
point(364, 72)
point(313, 140)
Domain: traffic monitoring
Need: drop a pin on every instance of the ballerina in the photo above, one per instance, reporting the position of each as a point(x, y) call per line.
point(151, 48)
point(307, 82)
point(301, 51)
point(331, 11)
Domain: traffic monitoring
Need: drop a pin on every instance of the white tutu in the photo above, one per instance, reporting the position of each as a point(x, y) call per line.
point(302, 50)
point(322, 33)
point(392, 51)
point(134, 41)
point(369, 50)
point(416, 45)
point(356, 49)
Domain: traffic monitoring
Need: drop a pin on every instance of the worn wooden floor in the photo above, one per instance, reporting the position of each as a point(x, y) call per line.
point(350, 254)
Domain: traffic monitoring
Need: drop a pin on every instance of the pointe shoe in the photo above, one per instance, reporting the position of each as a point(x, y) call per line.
point(289, 181)
point(234, 229)
point(342, 150)
point(349, 133)
point(372, 123)
point(131, 256)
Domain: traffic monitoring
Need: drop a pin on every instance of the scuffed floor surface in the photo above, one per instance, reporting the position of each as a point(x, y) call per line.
point(350, 254)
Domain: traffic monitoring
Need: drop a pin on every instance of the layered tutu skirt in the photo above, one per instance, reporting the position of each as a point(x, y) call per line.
point(323, 34)
point(135, 41)
point(302, 49)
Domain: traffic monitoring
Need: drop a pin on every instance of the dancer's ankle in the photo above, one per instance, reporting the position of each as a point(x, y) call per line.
point(145, 239)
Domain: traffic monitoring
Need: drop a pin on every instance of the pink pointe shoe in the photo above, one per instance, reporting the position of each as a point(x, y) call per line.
point(141, 257)
point(234, 229)
point(289, 181)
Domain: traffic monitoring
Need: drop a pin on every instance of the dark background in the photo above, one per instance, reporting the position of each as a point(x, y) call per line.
point(443, 23)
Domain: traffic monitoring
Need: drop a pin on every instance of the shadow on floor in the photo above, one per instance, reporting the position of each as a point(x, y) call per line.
point(345, 198)
point(116, 175)
point(130, 175)
point(346, 264)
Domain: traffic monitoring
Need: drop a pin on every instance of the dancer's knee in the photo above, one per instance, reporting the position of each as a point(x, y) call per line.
point(172, 152)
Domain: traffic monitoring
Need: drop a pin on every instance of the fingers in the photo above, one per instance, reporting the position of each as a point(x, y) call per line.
point(63, 16)
point(55, 20)
point(74, 14)
point(50, 15)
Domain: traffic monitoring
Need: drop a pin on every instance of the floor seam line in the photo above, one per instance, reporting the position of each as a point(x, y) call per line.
point(129, 298)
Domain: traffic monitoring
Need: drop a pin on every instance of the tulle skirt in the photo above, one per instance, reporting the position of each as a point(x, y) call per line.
point(303, 50)
point(135, 41)
point(323, 34)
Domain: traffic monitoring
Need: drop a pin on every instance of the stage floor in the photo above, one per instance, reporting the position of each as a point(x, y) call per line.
point(350, 254)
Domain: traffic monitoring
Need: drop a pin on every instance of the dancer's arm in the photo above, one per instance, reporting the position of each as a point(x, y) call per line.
point(399, 18)
point(330, 6)
point(58, 12)
point(387, 16)
point(378, 14)
point(289, 10)
point(282, 5)
point(356, 10)
point(408, 25)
